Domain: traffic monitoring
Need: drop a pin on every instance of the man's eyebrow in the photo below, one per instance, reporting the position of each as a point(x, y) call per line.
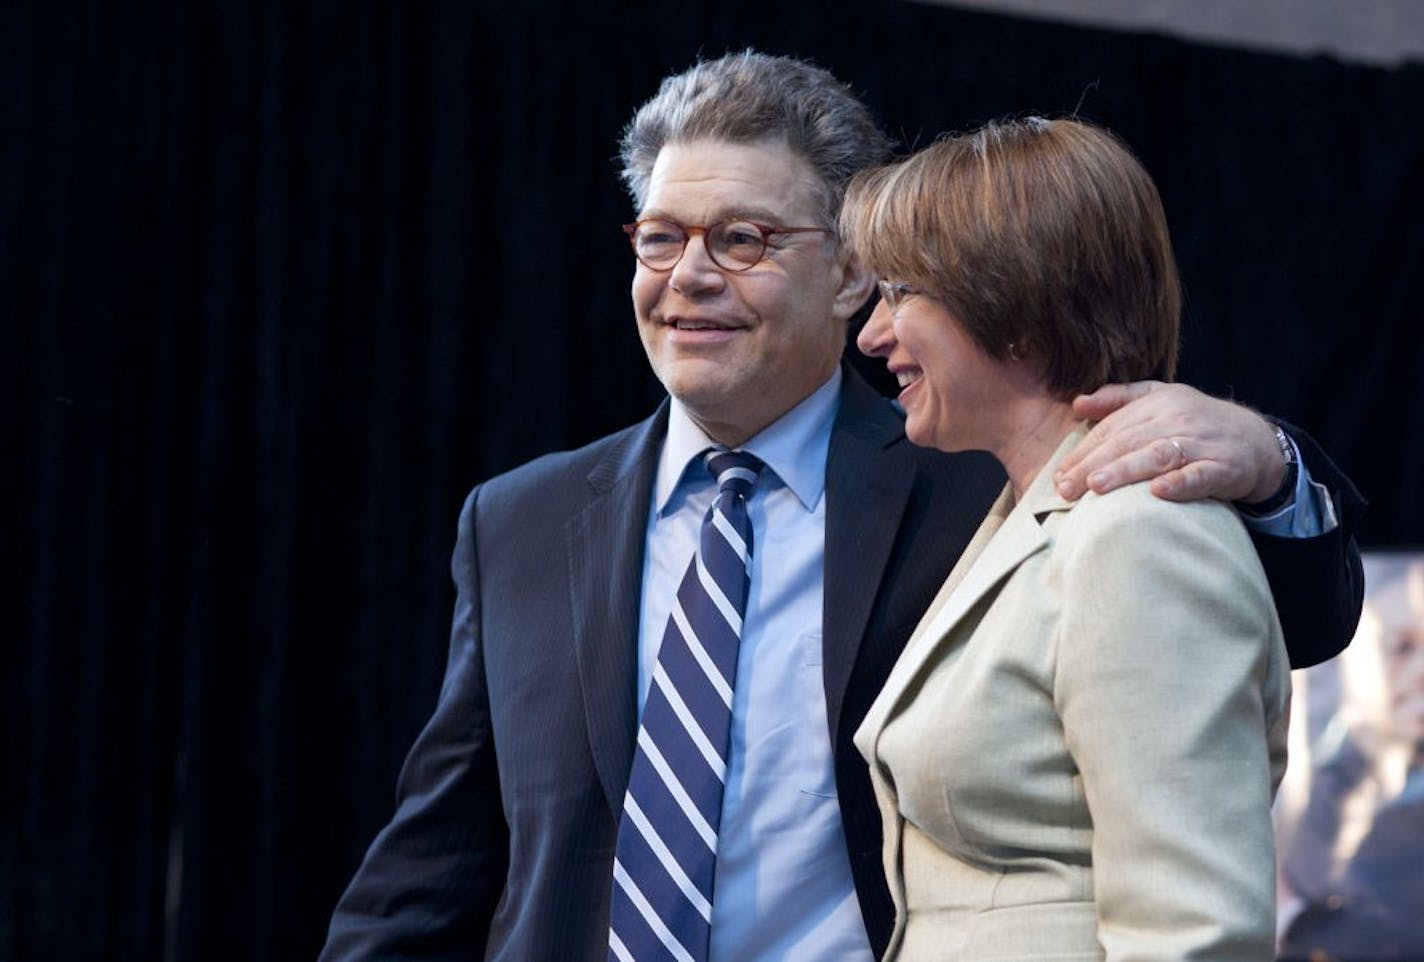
point(759, 214)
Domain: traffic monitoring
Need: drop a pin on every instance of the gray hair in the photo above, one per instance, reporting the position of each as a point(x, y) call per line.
point(746, 97)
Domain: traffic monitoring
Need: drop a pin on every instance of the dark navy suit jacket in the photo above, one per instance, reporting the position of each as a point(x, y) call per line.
point(502, 843)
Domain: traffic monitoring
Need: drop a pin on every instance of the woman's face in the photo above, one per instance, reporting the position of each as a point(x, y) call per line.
point(954, 394)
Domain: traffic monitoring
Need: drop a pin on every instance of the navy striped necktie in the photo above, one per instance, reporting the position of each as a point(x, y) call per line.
point(666, 856)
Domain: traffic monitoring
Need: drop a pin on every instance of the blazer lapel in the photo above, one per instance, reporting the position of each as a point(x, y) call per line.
point(990, 526)
point(868, 482)
point(605, 551)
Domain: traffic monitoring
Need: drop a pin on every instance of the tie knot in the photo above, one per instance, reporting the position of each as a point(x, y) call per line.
point(735, 471)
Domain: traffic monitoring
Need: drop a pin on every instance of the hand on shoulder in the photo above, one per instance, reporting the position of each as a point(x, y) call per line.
point(1189, 445)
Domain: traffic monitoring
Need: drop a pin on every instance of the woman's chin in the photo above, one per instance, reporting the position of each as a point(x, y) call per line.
point(926, 436)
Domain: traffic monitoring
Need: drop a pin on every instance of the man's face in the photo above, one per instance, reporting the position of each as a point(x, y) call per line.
point(741, 349)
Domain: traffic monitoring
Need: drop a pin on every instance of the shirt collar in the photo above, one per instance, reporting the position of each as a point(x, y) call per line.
point(794, 446)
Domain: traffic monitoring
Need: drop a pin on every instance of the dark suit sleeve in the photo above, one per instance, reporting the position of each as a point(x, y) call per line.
point(1318, 583)
point(429, 883)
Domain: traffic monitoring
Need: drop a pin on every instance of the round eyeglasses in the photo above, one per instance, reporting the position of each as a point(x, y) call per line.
point(733, 245)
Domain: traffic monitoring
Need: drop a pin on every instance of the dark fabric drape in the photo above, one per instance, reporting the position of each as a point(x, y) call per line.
point(281, 281)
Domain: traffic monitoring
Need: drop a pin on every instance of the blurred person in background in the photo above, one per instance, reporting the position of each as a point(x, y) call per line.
point(1352, 861)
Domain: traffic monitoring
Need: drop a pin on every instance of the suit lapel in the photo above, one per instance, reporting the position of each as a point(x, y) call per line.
point(605, 550)
point(1018, 538)
point(1000, 546)
point(990, 526)
point(868, 482)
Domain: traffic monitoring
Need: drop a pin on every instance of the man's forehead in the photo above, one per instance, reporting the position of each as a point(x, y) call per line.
point(721, 179)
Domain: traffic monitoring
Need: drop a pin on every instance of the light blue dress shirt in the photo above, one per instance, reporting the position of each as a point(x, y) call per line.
point(784, 888)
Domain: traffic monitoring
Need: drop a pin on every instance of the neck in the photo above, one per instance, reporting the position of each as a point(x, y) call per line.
point(730, 434)
point(736, 426)
point(1037, 426)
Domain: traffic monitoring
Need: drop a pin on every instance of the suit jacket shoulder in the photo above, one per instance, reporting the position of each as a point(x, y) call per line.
point(559, 482)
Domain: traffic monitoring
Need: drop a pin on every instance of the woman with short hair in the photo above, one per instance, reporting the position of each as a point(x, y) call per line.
point(1076, 753)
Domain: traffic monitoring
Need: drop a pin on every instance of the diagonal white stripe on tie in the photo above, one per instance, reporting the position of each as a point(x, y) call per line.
point(649, 914)
point(619, 949)
point(694, 644)
point(669, 861)
point(717, 596)
point(684, 801)
point(730, 535)
point(694, 730)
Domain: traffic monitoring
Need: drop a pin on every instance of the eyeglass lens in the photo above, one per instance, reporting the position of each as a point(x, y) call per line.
point(893, 294)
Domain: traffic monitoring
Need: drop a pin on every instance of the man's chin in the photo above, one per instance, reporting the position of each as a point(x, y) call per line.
point(704, 382)
point(710, 405)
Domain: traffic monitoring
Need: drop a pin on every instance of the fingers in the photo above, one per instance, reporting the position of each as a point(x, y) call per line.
point(1196, 481)
point(1110, 397)
point(1110, 441)
point(1096, 450)
point(1160, 457)
point(1120, 429)
point(1171, 478)
point(1203, 447)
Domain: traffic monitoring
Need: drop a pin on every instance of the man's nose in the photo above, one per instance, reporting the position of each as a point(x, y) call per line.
point(877, 337)
point(695, 269)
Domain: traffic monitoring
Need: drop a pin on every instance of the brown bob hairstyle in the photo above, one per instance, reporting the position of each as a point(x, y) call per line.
point(1043, 235)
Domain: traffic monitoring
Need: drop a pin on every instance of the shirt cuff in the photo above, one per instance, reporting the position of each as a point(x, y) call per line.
point(1309, 513)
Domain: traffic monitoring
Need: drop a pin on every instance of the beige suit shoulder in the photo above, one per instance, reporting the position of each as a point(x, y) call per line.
point(1135, 505)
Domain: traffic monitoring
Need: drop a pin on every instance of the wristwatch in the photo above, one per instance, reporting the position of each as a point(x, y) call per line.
point(1286, 491)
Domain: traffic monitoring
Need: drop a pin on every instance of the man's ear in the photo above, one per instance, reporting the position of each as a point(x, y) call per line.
point(856, 283)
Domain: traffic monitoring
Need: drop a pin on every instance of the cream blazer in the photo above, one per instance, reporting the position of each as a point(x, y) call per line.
point(1076, 753)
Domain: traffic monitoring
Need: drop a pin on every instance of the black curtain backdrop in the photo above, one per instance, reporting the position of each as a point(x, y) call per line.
point(282, 281)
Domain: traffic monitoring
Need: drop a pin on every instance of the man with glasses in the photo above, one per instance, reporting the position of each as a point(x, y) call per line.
point(664, 641)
